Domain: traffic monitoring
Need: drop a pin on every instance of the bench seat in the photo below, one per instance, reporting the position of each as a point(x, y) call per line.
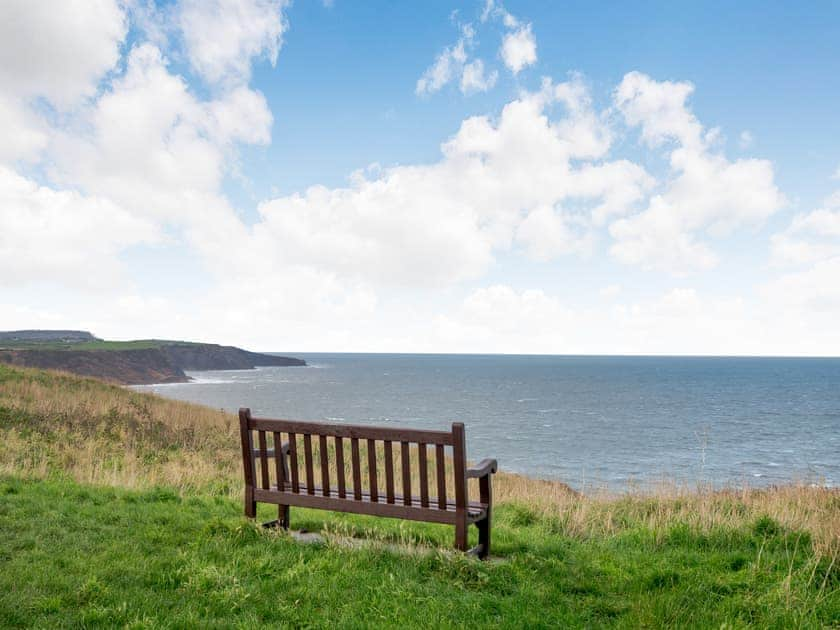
point(476, 511)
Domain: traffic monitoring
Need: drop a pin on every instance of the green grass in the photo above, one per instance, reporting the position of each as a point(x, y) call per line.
point(98, 344)
point(73, 555)
point(122, 509)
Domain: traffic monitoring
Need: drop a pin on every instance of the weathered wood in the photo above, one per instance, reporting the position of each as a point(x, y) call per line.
point(361, 506)
point(459, 465)
point(289, 490)
point(293, 462)
point(357, 468)
point(485, 493)
point(263, 459)
point(339, 467)
point(371, 453)
point(279, 461)
point(325, 464)
point(351, 431)
point(424, 474)
point(441, 475)
point(405, 455)
point(247, 461)
point(389, 472)
point(307, 462)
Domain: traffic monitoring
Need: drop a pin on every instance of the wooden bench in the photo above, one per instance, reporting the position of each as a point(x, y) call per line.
point(282, 482)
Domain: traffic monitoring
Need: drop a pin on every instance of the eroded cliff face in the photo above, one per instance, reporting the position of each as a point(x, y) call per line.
point(213, 357)
point(165, 364)
point(127, 367)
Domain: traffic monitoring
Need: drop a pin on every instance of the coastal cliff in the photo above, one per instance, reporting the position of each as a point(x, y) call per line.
point(129, 362)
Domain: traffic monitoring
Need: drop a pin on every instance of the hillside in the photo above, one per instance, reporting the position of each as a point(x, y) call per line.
point(127, 362)
point(124, 509)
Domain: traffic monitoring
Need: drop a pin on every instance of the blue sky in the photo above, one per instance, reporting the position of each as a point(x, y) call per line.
point(656, 178)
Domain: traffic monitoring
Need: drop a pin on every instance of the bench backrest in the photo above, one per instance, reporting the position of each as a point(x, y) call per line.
point(388, 469)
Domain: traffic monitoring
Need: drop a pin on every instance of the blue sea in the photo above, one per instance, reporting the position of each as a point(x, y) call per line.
point(593, 422)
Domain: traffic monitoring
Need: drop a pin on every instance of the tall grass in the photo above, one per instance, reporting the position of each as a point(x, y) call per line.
point(55, 424)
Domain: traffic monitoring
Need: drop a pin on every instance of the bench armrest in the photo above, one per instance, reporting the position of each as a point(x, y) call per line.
point(484, 468)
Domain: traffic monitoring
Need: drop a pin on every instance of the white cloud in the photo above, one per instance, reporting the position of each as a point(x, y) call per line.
point(507, 320)
point(155, 149)
point(58, 50)
point(223, 37)
point(24, 134)
point(62, 236)
point(448, 65)
point(811, 293)
point(706, 195)
point(810, 237)
point(519, 49)
point(500, 183)
point(474, 79)
point(659, 107)
point(547, 233)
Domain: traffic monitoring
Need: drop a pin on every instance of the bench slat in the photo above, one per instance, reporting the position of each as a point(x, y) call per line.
point(405, 454)
point(352, 431)
point(278, 461)
point(389, 472)
point(371, 452)
point(433, 501)
point(357, 470)
point(325, 464)
point(263, 459)
point(339, 466)
point(364, 506)
point(424, 474)
point(441, 476)
point(307, 459)
point(294, 462)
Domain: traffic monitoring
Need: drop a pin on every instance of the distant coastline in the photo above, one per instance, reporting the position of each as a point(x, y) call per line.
point(138, 362)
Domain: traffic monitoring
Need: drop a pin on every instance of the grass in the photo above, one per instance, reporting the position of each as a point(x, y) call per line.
point(123, 509)
point(97, 344)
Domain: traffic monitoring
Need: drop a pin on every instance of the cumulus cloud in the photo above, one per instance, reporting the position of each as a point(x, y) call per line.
point(223, 37)
point(500, 184)
point(151, 145)
point(25, 134)
point(519, 44)
point(63, 235)
point(58, 50)
point(707, 194)
point(519, 49)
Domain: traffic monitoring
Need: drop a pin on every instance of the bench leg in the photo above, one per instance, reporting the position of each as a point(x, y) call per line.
point(461, 534)
point(250, 504)
point(484, 537)
point(283, 516)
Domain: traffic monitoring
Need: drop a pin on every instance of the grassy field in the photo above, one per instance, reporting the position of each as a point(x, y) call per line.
point(123, 509)
point(98, 344)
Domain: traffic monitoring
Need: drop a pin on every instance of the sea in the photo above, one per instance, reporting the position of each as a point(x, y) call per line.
point(612, 423)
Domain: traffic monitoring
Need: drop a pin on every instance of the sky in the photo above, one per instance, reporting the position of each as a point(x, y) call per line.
point(481, 177)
